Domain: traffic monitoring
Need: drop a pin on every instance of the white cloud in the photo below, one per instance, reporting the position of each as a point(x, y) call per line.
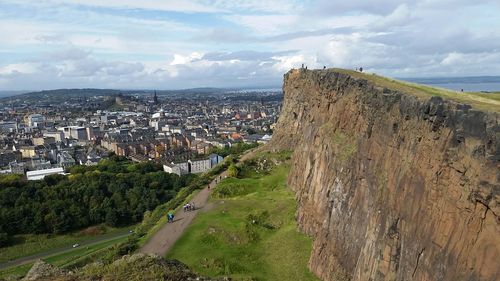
point(168, 44)
point(265, 24)
point(180, 59)
point(17, 68)
point(186, 6)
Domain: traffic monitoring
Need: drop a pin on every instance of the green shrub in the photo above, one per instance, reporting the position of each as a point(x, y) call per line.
point(232, 187)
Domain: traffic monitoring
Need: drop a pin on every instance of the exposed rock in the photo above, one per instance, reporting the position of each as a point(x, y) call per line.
point(391, 186)
point(129, 267)
point(43, 270)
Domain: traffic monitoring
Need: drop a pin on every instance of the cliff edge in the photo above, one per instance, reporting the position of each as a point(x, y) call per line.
point(393, 182)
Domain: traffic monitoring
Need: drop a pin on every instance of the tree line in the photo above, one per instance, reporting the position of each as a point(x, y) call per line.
point(116, 192)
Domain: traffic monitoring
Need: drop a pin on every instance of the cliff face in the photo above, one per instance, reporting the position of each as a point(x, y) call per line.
point(391, 187)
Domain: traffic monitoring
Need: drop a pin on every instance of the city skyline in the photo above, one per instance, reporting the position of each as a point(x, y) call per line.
point(187, 44)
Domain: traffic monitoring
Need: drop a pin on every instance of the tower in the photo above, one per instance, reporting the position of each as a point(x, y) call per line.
point(155, 98)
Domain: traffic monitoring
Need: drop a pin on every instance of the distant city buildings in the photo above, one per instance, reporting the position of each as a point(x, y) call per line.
point(178, 130)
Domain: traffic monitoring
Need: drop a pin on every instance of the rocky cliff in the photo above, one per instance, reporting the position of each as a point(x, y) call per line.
point(391, 185)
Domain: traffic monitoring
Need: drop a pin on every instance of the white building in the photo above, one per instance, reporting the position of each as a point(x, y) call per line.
point(35, 119)
point(199, 166)
point(40, 174)
point(177, 168)
point(78, 133)
point(193, 166)
point(74, 132)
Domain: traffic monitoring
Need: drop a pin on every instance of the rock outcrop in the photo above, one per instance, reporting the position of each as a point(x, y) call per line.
point(390, 185)
point(129, 267)
point(43, 271)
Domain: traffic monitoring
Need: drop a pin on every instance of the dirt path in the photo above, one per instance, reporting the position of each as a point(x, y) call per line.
point(165, 238)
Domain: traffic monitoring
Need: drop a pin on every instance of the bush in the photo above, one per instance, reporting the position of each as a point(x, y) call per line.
point(232, 187)
point(232, 171)
point(127, 247)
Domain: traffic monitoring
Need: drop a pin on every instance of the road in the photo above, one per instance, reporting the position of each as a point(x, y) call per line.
point(166, 237)
point(62, 250)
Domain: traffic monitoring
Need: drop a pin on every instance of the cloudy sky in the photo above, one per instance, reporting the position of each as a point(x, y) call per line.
point(169, 44)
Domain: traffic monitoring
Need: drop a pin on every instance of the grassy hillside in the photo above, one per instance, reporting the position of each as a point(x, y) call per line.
point(482, 101)
point(30, 244)
point(248, 231)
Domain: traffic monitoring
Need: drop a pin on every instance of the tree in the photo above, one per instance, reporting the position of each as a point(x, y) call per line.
point(4, 239)
point(112, 218)
point(116, 192)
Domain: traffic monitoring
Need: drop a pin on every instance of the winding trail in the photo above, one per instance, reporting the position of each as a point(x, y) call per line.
point(166, 237)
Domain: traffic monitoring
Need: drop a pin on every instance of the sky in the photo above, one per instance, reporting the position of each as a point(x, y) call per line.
point(172, 44)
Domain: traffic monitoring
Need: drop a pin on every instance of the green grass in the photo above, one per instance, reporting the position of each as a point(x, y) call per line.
point(65, 259)
point(250, 235)
point(232, 187)
point(482, 101)
point(38, 243)
point(52, 242)
point(17, 271)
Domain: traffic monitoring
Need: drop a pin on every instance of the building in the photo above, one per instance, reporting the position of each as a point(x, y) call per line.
point(44, 141)
point(17, 167)
point(35, 120)
point(215, 159)
point(93, 132)
point(177, 168)
point(65, 159)
point(57, 135)
point(40, 174)
point(8, 126)
point(8, 156)
point(78, 133)
point(74, 132)
point(199, 166)
point(193, 166)
point(27, 151)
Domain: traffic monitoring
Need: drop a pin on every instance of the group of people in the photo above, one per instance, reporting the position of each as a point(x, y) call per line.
point(189, 207)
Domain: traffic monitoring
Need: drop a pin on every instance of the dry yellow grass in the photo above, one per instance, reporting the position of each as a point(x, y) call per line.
point(482, 101)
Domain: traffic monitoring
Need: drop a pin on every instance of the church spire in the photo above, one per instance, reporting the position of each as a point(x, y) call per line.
point(155, 98)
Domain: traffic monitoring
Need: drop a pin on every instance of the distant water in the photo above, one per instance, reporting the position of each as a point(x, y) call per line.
point(471, 84)
point(4, 94)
